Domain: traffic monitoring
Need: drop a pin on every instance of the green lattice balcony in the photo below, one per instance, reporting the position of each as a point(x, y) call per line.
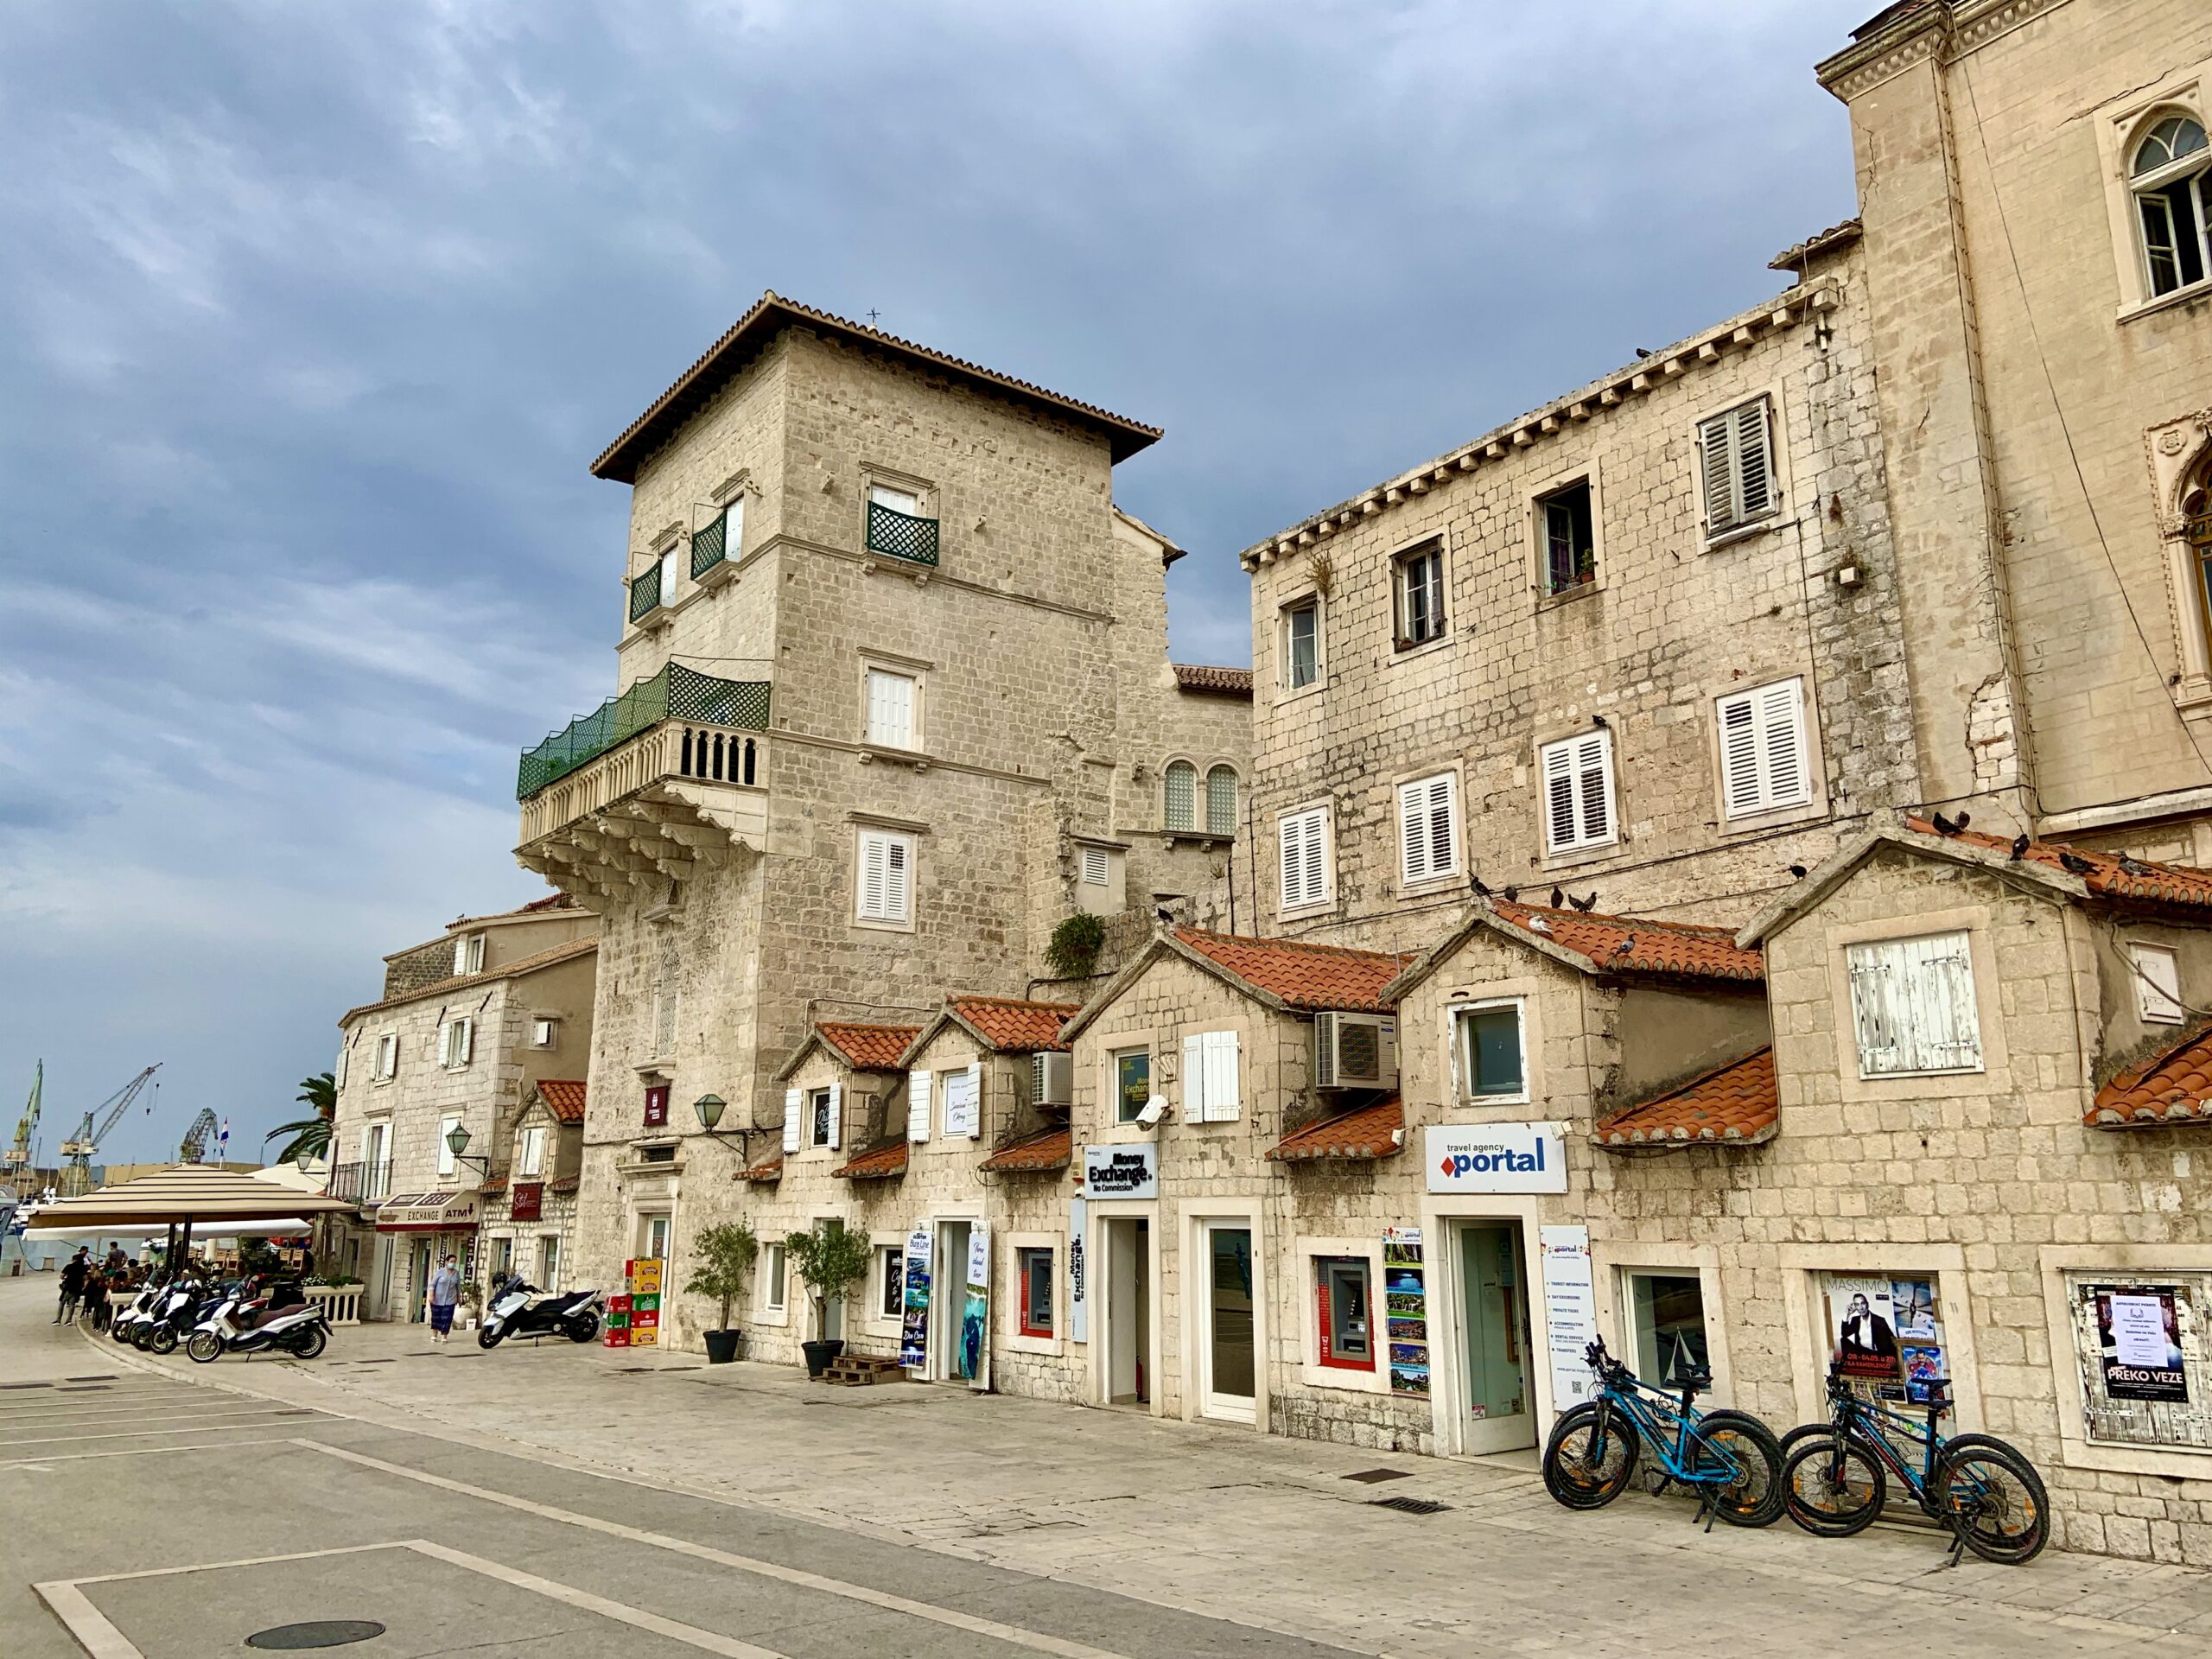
point(900, 535)
point(644, 592)
point(676, 693)
point(710, 546)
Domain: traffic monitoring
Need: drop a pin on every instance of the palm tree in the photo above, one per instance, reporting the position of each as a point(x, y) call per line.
point(310, 1135)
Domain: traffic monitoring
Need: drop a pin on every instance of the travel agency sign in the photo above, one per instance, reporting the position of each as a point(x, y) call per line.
point(1496, 1157)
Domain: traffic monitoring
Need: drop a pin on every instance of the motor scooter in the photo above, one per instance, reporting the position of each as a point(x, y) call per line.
point(239, 1326)
point(171, 1317)
point(132, 1313)
point(519, 1309)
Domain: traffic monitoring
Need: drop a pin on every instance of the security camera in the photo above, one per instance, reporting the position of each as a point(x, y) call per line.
point(1154, 1109)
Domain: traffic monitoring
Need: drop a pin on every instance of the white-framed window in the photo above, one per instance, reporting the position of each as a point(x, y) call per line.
point(468, 954)
point(1302, 848)
point(457, 1042)
point(771, 1277)
point(1567, 523)
point(1097, 867)
point(899, 500)
point(962, 1093)
point(1417, 579)
point(1913, 1005)
point(503, 1256)
point(1491, 1047)
point(893, 700)
point(1302, 643)
point(1665, 1313)
point(890, 1281)
point(448, 1162)
point(1578, 774)
point(530, 1152)
point(1130, 1071)
point(376, 1161)
point(1428, 829)
point(387, 1066)
point(654, 1247)
point(2158, 984)
point(2170, 176)
point(1221, 800)
point(1736, 454)
point(549, 1261)
point(1180, 787)
point(1763, 766)
point(887, 878)
point(1210, 1078)
point(544, 1032)
point(824, 1107)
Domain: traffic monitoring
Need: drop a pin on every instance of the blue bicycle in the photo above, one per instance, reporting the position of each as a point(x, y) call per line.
point(1730, 1458)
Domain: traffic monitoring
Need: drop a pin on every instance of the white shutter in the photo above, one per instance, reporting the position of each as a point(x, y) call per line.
point(1427, 828)
point(1222, 1104)
point(1290, 852)
point(890, 710)
point(898, 877)
point(1096, 866)
point(836, 1114)
point(1913, 1005)
point(466, 1042)
point(1754, 465)
point(1741, 791)
point(1559, 796)
point(1762, 761)
point(874, 855)
point(447, 1162)
point(1578, 774)
point(918, 1106)
point(1716, 452)
point(1194, 1079)
point(1736, 453)
point(794, 1103)
point(975, 1102)
point(2157, 985)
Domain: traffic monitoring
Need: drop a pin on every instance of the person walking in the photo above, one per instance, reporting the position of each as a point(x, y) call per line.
point(445, 1293)
point(72, 1284)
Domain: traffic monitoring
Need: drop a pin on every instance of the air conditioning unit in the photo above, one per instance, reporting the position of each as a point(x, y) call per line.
point(1355, 1051)
point(1052, 1079)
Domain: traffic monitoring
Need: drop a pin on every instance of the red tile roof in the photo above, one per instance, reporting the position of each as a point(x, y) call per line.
point(1376, 1131)
point(562, 1184)
point(1012, 1026)
point(1052, 1149)
point(2109, 875)
point(563, 1096)
point(1734, 1105)
point(1221, 682)
point(869, 1048)
point(2171, 1086)
point(551, 901)
point(1624, 944)
point(494, 1184)
point(770, 1168)
point(1311, 977)
point(881, 1164)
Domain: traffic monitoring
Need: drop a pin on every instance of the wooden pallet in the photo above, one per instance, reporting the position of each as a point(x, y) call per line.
point(861, 1370)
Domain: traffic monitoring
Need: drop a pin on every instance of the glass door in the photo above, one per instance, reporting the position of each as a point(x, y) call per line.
point(1497, 1412)
point(1229, 1356)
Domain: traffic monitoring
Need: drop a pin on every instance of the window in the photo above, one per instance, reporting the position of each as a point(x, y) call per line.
point(822, 1115)
point(468, 954)
point(891, 1282)
point(376, 1161)
point(503, 1258)
point(2158, 984)
point(2168, 177)
point(2146, 1367)
point(656, 1245)
point(1428, 829)
point(1302, 643)
point(338, 1072)
point(1210, 1078)
point(1578, 793)
point(1097, 867)
point(1034, 1268)
point(1493, 1059)
point(771, 1277)
point(1912, 1002)
point(530, 1152)
point(1220, 801)
point(1182, 791)
point(448, 1163)
point(964, 1101)
point(1570, 539)
point(1132, 1083)
point(1347, 1331)
point(887, 877)
point(1667, 1319)
point(544, 1033)
point(1302, 845)
point(1737, 455)
point(1419, 578)
point(387, 1056)
point(549, 1261)
point(723, 539)
point(905, 501)
point(891, 699)
point(1762, 762)
point(457, 1042)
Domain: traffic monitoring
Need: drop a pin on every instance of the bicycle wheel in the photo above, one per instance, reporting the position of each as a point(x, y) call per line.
point(1588, 1460)
point(1832, 1488)
point(1753, 1493)
point(1992, 1496)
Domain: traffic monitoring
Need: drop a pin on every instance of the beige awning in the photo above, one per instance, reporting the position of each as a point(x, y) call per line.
point(453, 1210)
point(184, 1193)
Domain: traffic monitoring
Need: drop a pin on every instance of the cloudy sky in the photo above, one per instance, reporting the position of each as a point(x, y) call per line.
point(312, 317)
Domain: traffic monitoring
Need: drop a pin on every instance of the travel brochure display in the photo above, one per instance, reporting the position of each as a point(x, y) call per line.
point(633, 1317)
point(2138, 1342)
point(1570, 1311)
point(914, 1333)
point(1885, 1333)
point(1405, 1305)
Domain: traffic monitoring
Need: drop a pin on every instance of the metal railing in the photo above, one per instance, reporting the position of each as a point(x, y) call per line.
point(900, 535)
point(645, 591)
point(675, 692)
point(709, 548)
point(363, 1183)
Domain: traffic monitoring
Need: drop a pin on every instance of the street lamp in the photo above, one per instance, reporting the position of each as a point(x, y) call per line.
point(709, 1109)
point(457, 1139)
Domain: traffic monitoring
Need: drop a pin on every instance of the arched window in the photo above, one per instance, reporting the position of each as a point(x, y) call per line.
point(2168, 175)
point(1182, 795)
point(1220, 801)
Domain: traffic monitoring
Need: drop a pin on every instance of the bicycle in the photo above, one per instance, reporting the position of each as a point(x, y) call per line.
point(1729, 1458)
point(1984, 1492)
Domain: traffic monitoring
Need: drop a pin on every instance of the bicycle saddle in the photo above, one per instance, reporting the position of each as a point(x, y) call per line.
point(1694, 1381)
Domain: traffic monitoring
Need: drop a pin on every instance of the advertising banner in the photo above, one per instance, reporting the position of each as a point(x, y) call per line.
point(1863, 1324)
point(656, 1106)
point(914, 1332)
point(1496, 1157)
point(1079, 1270)
point(1405, 1304)
point(975, 1313)
point(1129, 1171)
point(1570, 1309)
point(2139, 1333)
point(529, 1201)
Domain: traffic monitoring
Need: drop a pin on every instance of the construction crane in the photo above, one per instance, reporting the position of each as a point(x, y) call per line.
point(197, 1137)
point(19, 1156)
point(78, 1151)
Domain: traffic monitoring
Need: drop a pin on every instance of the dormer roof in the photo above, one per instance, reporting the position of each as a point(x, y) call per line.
point(1592, 943)
point(855, 1046)
point(1286, 975)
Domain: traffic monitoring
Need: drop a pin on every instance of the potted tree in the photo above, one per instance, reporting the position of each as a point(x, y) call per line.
point(831, 1259)
point(723, 1259)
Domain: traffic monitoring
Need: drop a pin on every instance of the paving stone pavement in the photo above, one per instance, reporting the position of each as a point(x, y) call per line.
point(1258, 1529)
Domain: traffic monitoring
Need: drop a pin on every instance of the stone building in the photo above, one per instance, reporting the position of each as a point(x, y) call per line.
point(528, 1222)
point(470, 1025)
point(894, 702)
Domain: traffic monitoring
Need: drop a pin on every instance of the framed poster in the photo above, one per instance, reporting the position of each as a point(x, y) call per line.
point(1405, 1304)
point(1863, 1328)
point(2138, 1342)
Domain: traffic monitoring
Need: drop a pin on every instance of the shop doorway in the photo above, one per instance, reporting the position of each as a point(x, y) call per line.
point(418, 1278)
point(1497, 1413)
point(952, 1359)
point(1226, 1343)
point(1128, 1312)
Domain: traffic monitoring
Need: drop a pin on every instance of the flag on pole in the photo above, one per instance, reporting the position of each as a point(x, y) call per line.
point(223, 1143)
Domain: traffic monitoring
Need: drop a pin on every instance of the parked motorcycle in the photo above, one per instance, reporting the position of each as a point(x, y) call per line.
point(521, 1310)
point(128, 1317)
point(239, 1326)
point(172, 1316)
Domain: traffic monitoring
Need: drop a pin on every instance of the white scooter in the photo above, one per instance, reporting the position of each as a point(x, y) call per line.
point(520, 1309)
point(300, 1331)
point(134, 1312)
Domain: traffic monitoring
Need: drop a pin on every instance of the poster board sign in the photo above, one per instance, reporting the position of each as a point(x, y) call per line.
point(914, 1328)
point(1496, 1157)
point(1405, 1311)
point(656, 1106)
point(1129, 1171)
point(1863, 1328)
point(1079, 1270)
point(2139, 1340)
point(1570, 1311)
point(528, 1202)
point(963, 1103)
point(976, 1311)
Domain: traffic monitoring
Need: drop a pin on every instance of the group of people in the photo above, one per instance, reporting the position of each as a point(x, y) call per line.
point(90, 1287)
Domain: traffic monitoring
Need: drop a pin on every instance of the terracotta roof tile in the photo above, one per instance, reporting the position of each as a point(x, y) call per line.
point(1791, 257)
point(1052, 1149)
point(1376, 1131)
point(562, 1184)
point(1735, 1104)
point(1311, 977)
point(563, 1096)
point(2109, 875)
point(2171, 1086)
point(878, 1164)
point(1626, 945)
point(1014, 1027)
point(1222, 681)
point(494, 1184)
point(869, 1048)
point(770, 1168)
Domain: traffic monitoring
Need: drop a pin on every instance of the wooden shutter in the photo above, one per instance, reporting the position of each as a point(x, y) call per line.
point(836, 1115)
point(1578, 792)
point(1735, 452)
point(464, 1041)
point(1913, 1005)
point(918, 1106)
point(1754, 463)
point(1428, 831)
point(1194, 1079)
point(1716, 442)
point(1762, 761)
point(1741, 790)
point(1220, 1055)
point(794, 1104)
point(975, 1102)
point(1559, 796)
point(897, 878)
point(2157, 985)
point(1290, 851)
point(873, 849)
point(890, 710)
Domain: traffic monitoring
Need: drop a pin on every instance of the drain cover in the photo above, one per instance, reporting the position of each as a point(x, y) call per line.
point(1368, 1476)
point(316, 1633)
point(1410, 1505)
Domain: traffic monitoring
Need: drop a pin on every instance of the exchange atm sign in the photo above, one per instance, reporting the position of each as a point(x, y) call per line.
point(1496, 1157)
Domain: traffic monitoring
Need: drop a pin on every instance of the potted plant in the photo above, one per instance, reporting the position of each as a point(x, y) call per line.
point(831, 1259)
point(723, 1257)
